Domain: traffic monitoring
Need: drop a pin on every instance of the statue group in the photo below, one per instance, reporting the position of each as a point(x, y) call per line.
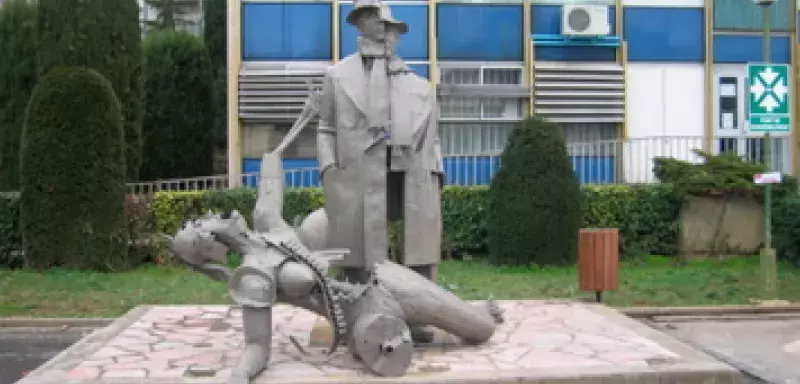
point(380, 162)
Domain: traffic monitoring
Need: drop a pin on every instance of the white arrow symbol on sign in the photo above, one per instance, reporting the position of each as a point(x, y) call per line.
point(769, 103)
point(780, 90)
point(768, 75)
point(758, 89)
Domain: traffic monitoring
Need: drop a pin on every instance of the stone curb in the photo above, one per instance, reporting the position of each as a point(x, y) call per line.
point(634, 312)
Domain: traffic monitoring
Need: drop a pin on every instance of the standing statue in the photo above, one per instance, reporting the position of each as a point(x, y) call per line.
point(379, 152)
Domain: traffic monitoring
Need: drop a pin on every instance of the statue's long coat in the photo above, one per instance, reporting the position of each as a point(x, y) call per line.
point(343, 140)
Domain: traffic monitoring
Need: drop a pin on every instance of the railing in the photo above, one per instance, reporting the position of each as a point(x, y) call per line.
point(190, 184)
point(627, 161)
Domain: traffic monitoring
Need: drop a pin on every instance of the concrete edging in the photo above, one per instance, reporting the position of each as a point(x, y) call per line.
point(634, 312)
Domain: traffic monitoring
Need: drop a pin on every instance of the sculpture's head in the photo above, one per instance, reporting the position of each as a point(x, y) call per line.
point(372, 18)
point(198, 242)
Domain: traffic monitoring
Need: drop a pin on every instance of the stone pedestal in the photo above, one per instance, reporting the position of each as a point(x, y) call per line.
point(541, 341)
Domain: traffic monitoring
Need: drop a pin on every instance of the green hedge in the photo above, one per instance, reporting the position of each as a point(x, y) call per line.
point(646, 216)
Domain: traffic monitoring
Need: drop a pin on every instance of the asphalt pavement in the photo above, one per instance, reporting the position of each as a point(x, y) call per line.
point(25, 349)
point(767, 349)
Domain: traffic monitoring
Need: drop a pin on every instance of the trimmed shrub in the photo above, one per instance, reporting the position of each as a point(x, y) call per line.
point(104, 35)
point(646, 215)
point(464, 215)
point(10, 241)
point(72, 174)
point(534, 211)
point(215, 35)
point(726, 174)
point(786, 229)
point(179, 118)
point(17, 79)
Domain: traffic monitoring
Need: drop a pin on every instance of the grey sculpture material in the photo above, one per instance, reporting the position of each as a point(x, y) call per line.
point(379, 151)
point(373, 319)
point(380, 160)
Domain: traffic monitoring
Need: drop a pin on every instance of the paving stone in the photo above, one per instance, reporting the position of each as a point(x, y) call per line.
point(166, 373)
point(127, 373)
point(84, 373)
point(793, 347)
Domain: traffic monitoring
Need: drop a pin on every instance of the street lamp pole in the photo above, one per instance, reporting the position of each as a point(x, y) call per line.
point(768, 257)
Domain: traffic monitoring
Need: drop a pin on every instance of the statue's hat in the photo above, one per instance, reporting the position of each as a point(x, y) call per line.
point(384, 13)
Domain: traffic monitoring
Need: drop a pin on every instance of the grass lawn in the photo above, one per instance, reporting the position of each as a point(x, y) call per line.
point(654, 282)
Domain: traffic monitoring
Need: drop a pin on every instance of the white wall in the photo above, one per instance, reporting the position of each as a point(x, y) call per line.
point(666, 115)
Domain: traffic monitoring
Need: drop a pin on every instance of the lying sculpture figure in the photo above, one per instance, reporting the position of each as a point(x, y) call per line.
point(283, 264)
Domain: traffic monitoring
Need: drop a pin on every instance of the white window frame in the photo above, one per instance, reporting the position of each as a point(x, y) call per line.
point(482, 67)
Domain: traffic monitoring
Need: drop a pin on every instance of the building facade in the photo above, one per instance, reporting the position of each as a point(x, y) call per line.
point(657, 77)
point(191, 19)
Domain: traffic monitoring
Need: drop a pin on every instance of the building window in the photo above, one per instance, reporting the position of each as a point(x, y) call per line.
point(478, 125)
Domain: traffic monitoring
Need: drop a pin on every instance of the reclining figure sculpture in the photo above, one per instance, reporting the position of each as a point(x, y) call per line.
point(284, 264)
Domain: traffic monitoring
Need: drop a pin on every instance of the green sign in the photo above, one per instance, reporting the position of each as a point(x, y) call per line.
point(770, 98)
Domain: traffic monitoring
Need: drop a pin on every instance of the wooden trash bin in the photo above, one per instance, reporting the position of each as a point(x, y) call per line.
point(598, 260)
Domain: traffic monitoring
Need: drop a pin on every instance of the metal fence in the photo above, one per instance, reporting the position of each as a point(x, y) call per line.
point(628, 161)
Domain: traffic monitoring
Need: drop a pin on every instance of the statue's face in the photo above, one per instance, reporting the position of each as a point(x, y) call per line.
point(392, 37)
point(370, 25)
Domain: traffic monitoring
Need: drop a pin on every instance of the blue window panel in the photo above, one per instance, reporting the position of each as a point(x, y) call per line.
point(745, 49)
point(738, 15)
point(422, 70)
point(546, 20)
point(477, 170)
point(298, 172)
point(286, 31)
point(413, 45)
point(665, 34)
point(595, 169)
point(480, 32)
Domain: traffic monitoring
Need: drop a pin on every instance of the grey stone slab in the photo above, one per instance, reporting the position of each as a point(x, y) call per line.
point(528, 349)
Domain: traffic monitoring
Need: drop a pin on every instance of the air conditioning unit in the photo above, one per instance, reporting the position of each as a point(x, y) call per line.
point(585, 20)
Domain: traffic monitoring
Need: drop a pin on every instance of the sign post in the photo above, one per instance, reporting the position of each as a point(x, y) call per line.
point(769, 112)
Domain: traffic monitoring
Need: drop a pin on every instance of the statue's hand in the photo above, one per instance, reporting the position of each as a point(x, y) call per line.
point(325, 168)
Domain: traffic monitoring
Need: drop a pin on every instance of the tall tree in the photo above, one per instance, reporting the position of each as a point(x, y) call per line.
point(17, 79)
point(72, 174)
point(215, 35)
point(104, 35)
point(180, 109)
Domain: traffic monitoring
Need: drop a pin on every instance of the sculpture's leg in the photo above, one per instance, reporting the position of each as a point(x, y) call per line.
point(257, 337)
point(424, 302)
point(379, 335)
point(383, 343)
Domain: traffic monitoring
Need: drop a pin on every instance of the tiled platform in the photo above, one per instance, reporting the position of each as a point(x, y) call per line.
point(540, 342)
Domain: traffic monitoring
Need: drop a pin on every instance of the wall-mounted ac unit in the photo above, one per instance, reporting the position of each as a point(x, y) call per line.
point(585, 20)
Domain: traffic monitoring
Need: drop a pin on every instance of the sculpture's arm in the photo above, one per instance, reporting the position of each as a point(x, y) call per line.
point(268, 212)
point(326, 131)
point(433, 128)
